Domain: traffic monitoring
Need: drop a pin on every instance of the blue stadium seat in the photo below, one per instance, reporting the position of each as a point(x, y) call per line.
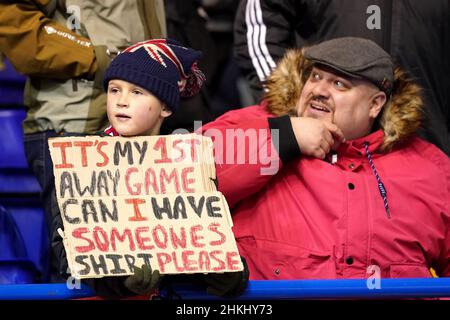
point(27, 260)
point(28, 216)
point(18, 181)
point(11, 142)
point(11, 86)
point(16, 266)
point(15, 176)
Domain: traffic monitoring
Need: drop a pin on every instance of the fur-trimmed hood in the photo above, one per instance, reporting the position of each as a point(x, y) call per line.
point(401, 116)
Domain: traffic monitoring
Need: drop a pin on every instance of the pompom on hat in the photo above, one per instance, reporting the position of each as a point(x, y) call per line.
point(162, 66)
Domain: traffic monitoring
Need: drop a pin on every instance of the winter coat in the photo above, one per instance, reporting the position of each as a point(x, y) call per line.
point(416, 33)
point(314, 219)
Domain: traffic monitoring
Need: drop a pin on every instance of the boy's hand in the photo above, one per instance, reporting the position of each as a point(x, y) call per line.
point(228, 284)
point(144, 281)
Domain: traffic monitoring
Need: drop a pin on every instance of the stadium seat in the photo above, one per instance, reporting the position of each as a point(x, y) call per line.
point(15, 176)
point(11, 86)
point(29, 218)
point(11, 143)
point(24, 245)
point(16, 266)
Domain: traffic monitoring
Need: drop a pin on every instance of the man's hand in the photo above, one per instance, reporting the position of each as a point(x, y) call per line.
point(144, 281)
point(228, 284)
point(316, 137)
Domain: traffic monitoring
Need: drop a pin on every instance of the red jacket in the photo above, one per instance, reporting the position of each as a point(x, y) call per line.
point(315, 219)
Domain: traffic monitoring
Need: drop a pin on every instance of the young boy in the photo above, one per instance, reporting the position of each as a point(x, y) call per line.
point(144, 84)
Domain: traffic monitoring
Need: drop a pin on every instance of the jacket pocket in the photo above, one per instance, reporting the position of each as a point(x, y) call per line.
point(409, 270)
point(269, 259)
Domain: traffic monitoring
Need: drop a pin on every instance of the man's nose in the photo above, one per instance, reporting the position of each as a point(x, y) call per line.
point(321, 89)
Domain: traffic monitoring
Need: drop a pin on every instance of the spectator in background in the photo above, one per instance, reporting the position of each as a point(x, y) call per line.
point(230, 90)
point(64, 51)
point(416, 33)
point(206, 25)
point(185, 25)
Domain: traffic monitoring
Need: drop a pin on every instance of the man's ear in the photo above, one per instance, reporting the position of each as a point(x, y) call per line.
point(165, 111)
point(378, 101)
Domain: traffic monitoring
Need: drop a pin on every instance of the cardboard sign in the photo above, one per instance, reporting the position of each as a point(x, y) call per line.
point(126, 202)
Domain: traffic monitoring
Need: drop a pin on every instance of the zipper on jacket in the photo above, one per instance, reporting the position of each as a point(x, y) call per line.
point(74, 85)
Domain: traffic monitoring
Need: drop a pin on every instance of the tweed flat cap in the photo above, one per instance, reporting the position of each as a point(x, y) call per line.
point(355, 57)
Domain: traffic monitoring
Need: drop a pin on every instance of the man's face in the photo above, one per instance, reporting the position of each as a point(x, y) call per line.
point(134, 111)
point(350, 103)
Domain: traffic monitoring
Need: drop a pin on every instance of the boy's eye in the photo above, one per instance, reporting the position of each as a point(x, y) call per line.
point(137, 92)
point(113, 90)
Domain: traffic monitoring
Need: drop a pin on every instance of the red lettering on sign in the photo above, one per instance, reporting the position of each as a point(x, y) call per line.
point(189, 264)
point(159, 230)
point(204, 263)
point(233, 260)
point(163, 259)
point(213, 227)
point(121, 237)
point(101, 244)
point(150, 180)
point(175, 262)
point(137, 190)
point(83, 145)
point(185, 181)
point(78, 234)
point(63, 146)
point(102, 153)
point(213, 254)
point(164, 177)
point(178, 241)
point(176, 147)
point(194, 142)
point(196, 237)
point(161, 144)
point(142, 240)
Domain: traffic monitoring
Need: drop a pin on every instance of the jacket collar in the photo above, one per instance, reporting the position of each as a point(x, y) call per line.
point(110, 131)
point(356, 147)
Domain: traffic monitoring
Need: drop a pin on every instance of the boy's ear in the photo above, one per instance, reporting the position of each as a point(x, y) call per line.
point(165, 111)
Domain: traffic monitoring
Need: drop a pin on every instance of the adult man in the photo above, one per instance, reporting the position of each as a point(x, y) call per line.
point(406, 29)
point(356, 190)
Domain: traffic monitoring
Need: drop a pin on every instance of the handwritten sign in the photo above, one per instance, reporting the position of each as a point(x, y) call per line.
point(126, 202)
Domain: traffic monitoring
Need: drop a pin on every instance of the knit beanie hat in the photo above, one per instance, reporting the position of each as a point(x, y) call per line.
point(161, 66)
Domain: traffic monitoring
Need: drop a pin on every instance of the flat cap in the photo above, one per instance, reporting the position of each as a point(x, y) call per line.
point(355, 57)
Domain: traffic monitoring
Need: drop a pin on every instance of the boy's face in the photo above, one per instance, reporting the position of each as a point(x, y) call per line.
point(134, 111)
